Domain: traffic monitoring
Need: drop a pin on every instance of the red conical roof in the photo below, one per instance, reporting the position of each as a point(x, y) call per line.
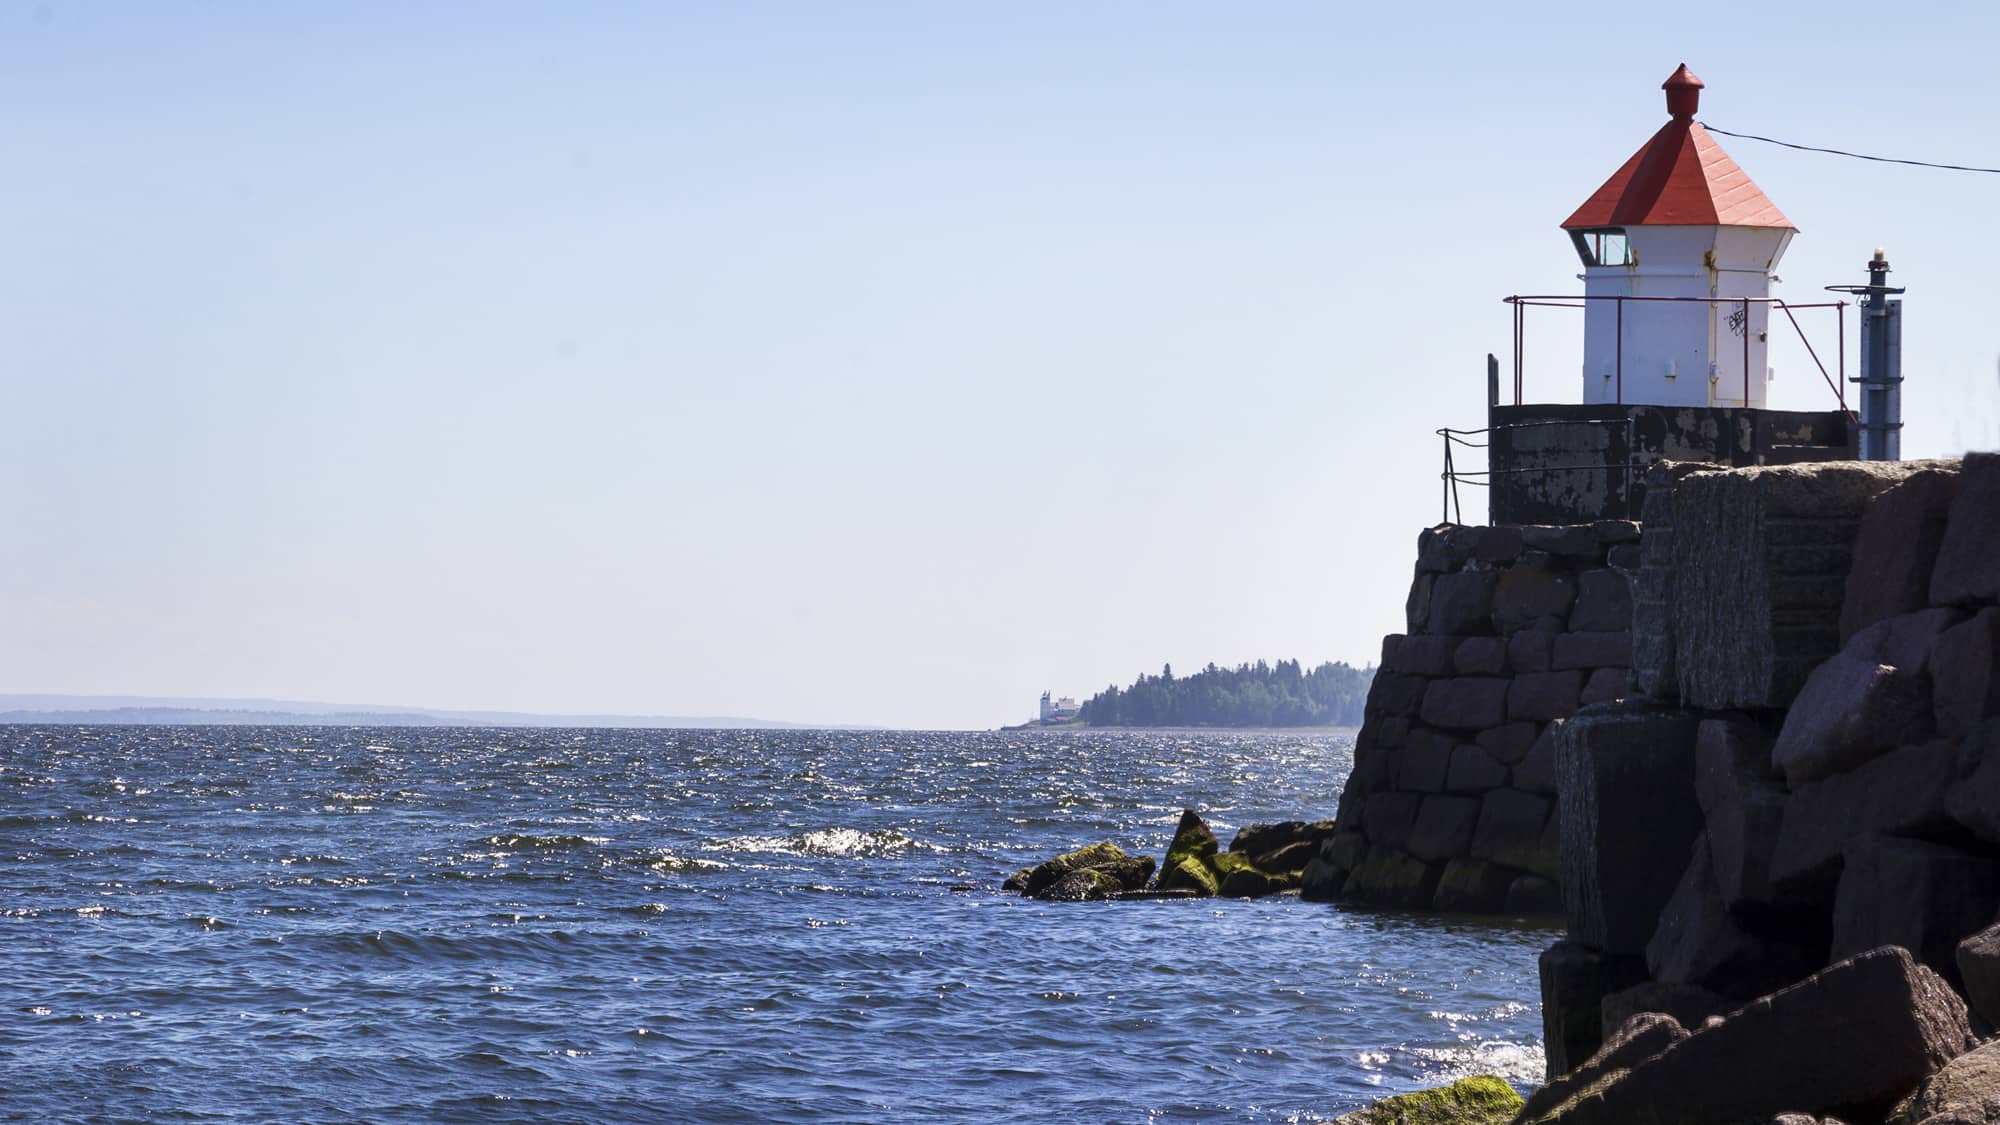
point(1680, 178)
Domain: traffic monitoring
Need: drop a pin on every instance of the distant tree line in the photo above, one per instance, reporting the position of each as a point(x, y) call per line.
point(1248, 695)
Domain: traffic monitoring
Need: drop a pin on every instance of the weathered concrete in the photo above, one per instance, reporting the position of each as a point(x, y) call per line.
point(1625, 775)
point(1761, 558)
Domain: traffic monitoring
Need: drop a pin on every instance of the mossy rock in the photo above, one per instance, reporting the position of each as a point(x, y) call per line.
point(1192, 837)
point(1096, 855)
point(1249, 882)
point(1291, 857)
point(1479, 1100)
point(1018, 881)
point(1132, 872)
point(1086, 885)
point(1189, 874)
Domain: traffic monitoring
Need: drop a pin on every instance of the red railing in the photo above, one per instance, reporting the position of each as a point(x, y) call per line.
point(1837, 382)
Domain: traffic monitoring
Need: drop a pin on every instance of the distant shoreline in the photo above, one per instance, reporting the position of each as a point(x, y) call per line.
point(1181, 730)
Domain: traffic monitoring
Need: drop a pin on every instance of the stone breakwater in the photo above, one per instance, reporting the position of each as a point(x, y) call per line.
point(1779, 850)
point(1452, 803)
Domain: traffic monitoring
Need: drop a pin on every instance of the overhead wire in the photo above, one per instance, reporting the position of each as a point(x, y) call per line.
point(1854, 155)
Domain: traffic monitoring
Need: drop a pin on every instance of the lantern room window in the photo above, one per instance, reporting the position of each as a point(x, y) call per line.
point(1605, 246)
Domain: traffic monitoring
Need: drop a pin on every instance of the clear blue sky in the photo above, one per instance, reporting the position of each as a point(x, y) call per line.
point(873, 362)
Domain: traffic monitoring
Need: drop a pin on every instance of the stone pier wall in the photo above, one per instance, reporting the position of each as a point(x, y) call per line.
point(1815, 771)
point(1452, 803)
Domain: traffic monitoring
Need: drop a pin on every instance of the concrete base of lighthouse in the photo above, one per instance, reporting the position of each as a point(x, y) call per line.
point(1559, 463)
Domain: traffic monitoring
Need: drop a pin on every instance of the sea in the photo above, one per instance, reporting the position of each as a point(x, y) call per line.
point(473, 924)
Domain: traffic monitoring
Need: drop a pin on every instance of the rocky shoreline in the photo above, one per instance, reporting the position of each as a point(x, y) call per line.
point(1757, 752)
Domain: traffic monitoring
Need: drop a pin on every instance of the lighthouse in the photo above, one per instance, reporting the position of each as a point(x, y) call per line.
point(1678, 249)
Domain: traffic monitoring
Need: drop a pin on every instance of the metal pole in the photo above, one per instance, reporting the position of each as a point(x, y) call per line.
point(1881, 366)
point(1746, 353)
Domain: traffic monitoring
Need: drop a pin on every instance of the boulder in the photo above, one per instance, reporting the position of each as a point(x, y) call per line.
point(1391, 693)
point(1965, 571)
point(1444, 548)
point(1509, 831)
point(1636, 1039)
point(1291, 857)
point(1575, 981)
point(1425, 760)
point(1760, 557)
point(1966, 1089)
point(1248, 882)
point(1388, 817)
point(1903, 641)
point(1573, 540)
point(1896, 550)
point(1974, 803)
point(1190, 861)
point(1474, 771)
point(1018, 881)
point(1592, 650)
point(1531, 650)
point(1387, 877)
point(1417, 604)
point(1742, 837)
point(1508, 742)
point(1850, 1040)
point(1462, 603)
point(1742, 807)
point(1530, 591)
point(1604, 686)
point(1532, 894)
point(1541, 696)
point(1536, 772)
point(1901, 792)
point(1258, 839)
point(1479, 1100)
point(1690, 1005)
point(1048, 872)
point(1978, 959)
point(1420, 655)
point(1603, 603)
point(1189, 874)
point(1089, 884)
point(1732, 761)
point(1443, 829)
point(1339, 854)
point(1472, 886)
point(1480, 656)
point(1965, 672)
point(1850, 709)
point(1924, 897)
point(1698, 942)
point(1628, 819)
point(1466, 702)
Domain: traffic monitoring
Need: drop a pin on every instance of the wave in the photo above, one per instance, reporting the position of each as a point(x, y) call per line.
point(529, 841)
point(828, 843)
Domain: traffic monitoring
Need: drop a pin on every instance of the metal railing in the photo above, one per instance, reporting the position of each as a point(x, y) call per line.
point(1483, 478)
point(1520, 304)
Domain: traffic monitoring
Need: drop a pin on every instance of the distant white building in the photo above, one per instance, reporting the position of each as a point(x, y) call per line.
point(1058, 710)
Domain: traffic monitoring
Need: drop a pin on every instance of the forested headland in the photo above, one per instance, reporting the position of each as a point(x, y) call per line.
point(1248, 695)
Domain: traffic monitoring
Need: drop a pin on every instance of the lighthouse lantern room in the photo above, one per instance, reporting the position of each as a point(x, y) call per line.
point(1678, 249)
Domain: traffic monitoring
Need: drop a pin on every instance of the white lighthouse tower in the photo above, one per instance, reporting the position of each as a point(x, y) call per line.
point(1679, 220)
